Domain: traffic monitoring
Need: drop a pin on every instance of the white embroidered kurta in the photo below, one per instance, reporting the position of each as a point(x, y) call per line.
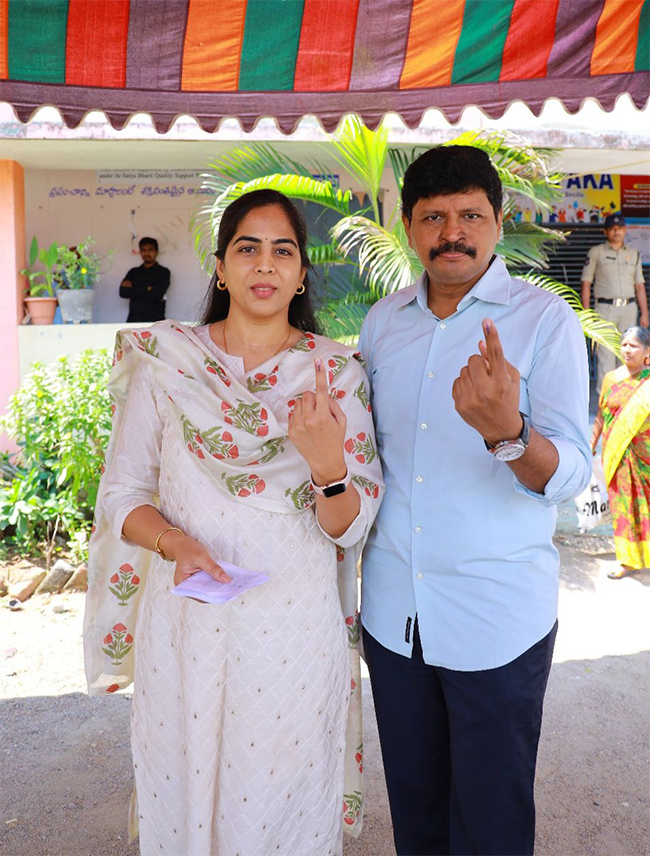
point(239, 709)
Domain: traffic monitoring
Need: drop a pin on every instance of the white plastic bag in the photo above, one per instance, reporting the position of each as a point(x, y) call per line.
point(592, 504)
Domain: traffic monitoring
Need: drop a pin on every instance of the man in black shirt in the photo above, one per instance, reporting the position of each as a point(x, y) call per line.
point(145, 286)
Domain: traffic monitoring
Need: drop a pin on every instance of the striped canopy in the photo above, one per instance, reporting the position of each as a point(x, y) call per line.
point(287, 58)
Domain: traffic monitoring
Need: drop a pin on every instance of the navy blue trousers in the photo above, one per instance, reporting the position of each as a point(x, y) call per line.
point(460, 750)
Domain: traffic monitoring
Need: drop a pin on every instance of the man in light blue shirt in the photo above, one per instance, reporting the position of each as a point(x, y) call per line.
point(480, 395)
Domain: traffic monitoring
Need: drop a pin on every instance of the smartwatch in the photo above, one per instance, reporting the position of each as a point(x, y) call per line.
point(334, 488)
point(510, 450)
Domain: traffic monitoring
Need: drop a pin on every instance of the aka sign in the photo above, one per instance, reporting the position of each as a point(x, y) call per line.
point(591, 182)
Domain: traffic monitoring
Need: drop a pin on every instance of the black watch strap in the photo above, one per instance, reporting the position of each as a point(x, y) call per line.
point(524, 434)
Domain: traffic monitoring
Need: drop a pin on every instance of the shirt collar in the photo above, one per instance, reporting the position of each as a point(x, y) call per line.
point(492, 287)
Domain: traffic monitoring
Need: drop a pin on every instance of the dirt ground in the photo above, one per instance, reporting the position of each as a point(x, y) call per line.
point(65, 758)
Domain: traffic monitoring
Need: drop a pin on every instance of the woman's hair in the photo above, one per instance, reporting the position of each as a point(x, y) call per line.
point(641, 334)
point(217, 302)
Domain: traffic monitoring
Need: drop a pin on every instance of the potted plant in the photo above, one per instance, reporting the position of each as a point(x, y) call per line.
point(40, 296)
point(78, 270)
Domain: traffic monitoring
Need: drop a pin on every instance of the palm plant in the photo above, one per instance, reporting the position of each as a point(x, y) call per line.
point(368, 255)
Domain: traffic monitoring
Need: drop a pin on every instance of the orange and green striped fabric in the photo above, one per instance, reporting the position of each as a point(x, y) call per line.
point(375, 55)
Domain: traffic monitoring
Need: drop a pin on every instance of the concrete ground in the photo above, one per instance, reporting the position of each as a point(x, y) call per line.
point(65, 758)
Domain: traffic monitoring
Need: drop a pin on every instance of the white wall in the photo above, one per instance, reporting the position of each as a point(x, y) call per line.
point(68, 205)
point(45, 343)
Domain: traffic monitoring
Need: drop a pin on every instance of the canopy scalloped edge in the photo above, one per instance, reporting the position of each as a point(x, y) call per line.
point(287, 108)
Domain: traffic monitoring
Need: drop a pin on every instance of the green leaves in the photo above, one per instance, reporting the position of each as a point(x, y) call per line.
point(60, 418)
point(326, 254)
point(342, 321)
point(593, 326)
point(527, 245)
point(522, 168)
point(206, 224)
point(79, 267)
point(384, 256)
point(65, 267)
point(41, 282)
point(246, 163)
point(362, 153)
point(297, 187)
point(346, 303)
point(372, 257)
point(33, 252)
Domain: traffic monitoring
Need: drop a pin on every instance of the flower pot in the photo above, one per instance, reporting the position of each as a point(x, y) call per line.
point(76, 305)
point(41, 309)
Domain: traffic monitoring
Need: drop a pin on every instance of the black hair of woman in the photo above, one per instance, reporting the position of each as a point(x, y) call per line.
point(217, 301)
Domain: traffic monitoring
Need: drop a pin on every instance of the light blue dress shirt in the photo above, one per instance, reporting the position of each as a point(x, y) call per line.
point(458, 540)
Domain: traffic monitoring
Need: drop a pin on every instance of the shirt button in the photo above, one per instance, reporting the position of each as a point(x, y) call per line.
point(443, 326)
point(429, 374)
point(418, 576)
point(418, 529)
point(424, 426)
point(418, 479)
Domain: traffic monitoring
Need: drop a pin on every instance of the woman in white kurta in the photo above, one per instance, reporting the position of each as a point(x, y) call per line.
point(246, 715)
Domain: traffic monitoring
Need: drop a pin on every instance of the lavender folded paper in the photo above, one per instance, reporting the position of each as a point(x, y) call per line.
point(202, 586)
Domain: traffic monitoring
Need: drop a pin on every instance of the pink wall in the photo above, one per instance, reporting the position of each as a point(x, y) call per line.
point(12, 259)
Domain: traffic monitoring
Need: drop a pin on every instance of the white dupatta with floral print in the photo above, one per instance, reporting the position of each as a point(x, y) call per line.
point(243, 448)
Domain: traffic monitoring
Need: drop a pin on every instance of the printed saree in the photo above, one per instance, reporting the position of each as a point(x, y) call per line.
point(625, 405)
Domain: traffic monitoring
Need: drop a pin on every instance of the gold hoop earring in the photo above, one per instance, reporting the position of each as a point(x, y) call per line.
point(301, 288)
point(222, 286)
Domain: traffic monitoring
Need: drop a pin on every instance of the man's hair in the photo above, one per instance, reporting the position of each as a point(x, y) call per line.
point(152, 241)
point(444, 170)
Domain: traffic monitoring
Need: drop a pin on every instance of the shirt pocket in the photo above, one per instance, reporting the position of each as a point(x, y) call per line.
point(392, 394)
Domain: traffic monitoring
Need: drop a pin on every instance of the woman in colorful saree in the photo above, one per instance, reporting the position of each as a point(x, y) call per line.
point(624, 421)
point(246, 440)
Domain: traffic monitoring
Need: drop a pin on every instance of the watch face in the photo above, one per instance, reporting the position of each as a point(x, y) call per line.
point(334, 489)
point(509, 451)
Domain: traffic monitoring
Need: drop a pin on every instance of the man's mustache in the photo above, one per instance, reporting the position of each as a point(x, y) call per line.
point(455, 247)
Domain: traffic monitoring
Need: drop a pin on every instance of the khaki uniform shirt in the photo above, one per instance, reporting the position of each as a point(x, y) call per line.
point(613, 272)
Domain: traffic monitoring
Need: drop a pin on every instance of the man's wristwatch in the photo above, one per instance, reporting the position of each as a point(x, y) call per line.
point(334, 488)
point(510, 450)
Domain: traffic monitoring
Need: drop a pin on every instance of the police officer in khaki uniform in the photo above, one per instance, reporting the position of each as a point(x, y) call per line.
point(619, 288)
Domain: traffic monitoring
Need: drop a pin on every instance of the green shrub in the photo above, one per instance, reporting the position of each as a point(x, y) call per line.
point(60, 418)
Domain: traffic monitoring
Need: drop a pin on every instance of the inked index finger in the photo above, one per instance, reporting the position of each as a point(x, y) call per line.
point(322, 394)
point(493, 349)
